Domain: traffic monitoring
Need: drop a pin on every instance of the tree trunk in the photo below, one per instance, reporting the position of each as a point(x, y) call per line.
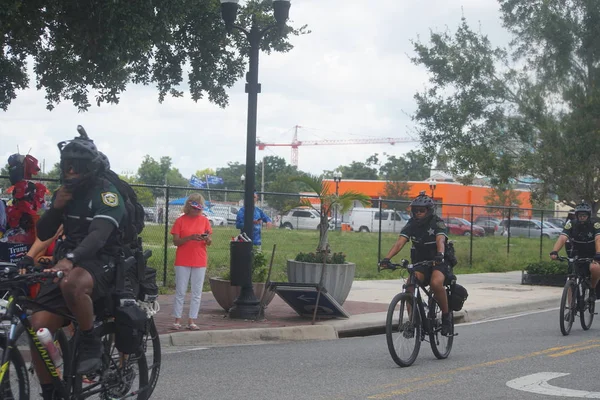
point(323, 230)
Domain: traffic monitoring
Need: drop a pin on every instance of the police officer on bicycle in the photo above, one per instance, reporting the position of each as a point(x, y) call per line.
point(583, 232)
point(427, 232)
point(90, 209)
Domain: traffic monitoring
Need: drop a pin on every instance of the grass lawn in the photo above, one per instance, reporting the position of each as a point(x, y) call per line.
point(489, 253)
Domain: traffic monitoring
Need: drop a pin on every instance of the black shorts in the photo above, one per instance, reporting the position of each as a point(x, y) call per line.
point(103, 273)
point(427, 271)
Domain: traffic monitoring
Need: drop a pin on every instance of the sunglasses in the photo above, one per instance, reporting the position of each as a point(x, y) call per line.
point(419, 210)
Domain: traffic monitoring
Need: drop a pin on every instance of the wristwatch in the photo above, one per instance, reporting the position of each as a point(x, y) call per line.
point(71, 257)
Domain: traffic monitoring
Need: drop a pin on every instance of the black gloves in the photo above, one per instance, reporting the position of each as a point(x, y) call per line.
point(384, 263)
point(26, 263)
point(597, 257)
point(554, 253)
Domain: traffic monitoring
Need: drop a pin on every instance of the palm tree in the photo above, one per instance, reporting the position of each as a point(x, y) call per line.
point(328, 200)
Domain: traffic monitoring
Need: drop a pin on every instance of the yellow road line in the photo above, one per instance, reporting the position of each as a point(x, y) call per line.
point(558, 351)
point(409, 389)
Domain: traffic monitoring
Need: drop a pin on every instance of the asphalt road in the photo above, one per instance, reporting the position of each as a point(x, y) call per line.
point(498, 359)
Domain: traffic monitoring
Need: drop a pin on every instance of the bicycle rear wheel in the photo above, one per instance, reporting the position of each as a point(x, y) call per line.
point(440, 345)
point(15, 382)
point(586, 308)
point(403, 330)
point(568, 307)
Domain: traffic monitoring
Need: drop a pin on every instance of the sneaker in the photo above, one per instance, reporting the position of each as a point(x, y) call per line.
point(408, 330)
point(568, 316)
point(593, 295)
point(446, 324)
point(89, 358)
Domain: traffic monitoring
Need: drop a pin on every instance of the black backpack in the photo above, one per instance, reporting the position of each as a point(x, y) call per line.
point(133, 223)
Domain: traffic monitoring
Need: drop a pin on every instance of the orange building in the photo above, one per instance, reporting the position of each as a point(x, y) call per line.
point(455, 197)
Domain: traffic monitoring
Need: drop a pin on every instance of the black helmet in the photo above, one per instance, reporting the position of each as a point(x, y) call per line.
point(584, 208)
point(81, 154)
point(422, 200)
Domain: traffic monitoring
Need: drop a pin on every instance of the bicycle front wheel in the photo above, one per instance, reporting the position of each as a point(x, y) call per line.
point(403, 330)
point(586, 307)
point(441, 345)
point(122, 375)
point(151, 339)
point(14, 383)
point(568, 307)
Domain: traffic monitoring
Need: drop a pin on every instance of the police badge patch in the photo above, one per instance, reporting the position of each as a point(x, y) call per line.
point(110, 199)
point(568, 225)
point(441, 225)
point(597, 225)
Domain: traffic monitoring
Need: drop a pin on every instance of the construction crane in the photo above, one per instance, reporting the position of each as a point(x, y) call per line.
point(296, 143)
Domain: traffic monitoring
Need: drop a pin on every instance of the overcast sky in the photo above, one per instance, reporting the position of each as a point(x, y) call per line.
point(350, 78)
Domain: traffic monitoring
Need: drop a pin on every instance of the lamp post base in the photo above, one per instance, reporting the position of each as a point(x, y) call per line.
point(246, 306)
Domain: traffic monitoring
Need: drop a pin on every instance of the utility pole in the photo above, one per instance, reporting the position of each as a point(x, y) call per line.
point(262, 185)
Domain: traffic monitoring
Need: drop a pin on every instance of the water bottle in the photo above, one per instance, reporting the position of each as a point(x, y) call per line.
point(46, 339)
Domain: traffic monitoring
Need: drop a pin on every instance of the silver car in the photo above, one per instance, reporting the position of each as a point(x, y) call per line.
point(529, 228)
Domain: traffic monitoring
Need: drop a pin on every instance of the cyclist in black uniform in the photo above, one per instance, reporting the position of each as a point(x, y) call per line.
point(583, 232)
point(427, 232)
point(91, 209)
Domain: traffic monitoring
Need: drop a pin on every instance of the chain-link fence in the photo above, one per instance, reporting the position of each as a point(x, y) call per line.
point(489, 236)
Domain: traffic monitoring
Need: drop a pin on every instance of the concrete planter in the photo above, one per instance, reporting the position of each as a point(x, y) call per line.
point(557, 280)
point(337, 280)
point(225, 294)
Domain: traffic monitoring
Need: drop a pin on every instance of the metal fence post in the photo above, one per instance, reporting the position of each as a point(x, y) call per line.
point(542, 234)
point(166, 237)
point(471, 241)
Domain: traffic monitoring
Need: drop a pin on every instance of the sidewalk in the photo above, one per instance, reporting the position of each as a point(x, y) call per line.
point(490, 295)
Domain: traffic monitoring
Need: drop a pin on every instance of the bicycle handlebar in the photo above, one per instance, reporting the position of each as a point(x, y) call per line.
point(12, 273)
point(573, 259)
point(405, 264)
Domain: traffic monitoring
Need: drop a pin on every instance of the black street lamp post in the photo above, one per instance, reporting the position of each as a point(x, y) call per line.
point(337, 177)
point(247, 305)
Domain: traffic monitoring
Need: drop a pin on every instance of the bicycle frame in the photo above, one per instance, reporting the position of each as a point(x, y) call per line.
point(16, 314)
point(416, 286)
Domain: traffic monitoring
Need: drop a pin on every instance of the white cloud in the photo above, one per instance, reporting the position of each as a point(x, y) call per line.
point(350, 78)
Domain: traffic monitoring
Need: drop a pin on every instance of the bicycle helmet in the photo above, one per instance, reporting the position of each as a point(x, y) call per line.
point(81, 155)
point(583, 208)
point(422, 200)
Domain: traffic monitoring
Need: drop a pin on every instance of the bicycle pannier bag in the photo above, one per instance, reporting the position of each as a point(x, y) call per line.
point(130, 326)
point(450, 255)
point(458, 296)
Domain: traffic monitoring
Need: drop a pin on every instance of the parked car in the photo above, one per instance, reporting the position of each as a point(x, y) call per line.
point(529, 228)
point(369, 219)
point(226, 211)
point(558, 222)
point(213, 219)
point(460, 226)
point(490, 226)
point(302, 218)
point(149, 214)
point(480, 219)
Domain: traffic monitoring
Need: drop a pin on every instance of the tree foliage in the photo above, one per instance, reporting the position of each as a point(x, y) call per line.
point(98, 45)
point(527, 111)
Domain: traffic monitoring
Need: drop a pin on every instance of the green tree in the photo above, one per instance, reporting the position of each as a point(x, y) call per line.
point(201, 173)
point(105, 45)
point(144, 194)
point(153, 172)
point(396, 190)
point(413, 166)
point(356, 170)
point(503, 196)
point(526, 111)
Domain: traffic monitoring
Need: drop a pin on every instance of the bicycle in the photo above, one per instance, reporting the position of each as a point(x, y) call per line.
point(120, 376)
point(403, 325)
point(575, 298)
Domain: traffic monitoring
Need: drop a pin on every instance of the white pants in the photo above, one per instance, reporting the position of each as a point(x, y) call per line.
point(182, 277)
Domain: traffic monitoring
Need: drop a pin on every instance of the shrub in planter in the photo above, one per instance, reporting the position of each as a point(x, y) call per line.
point(545, 273)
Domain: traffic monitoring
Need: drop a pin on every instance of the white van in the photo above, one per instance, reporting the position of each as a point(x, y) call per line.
point(368, 219)
point(226, 211)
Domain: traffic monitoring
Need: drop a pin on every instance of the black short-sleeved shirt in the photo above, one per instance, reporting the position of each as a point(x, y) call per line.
point(101, 201)
point(582, 236)
point(423, 235)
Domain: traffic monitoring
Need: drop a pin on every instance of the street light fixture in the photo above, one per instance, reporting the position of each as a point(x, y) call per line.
point(337, 178)
point(432, 186)
point(247, 305)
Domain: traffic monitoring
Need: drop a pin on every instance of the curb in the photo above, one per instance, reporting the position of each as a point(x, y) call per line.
point(249, 336)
